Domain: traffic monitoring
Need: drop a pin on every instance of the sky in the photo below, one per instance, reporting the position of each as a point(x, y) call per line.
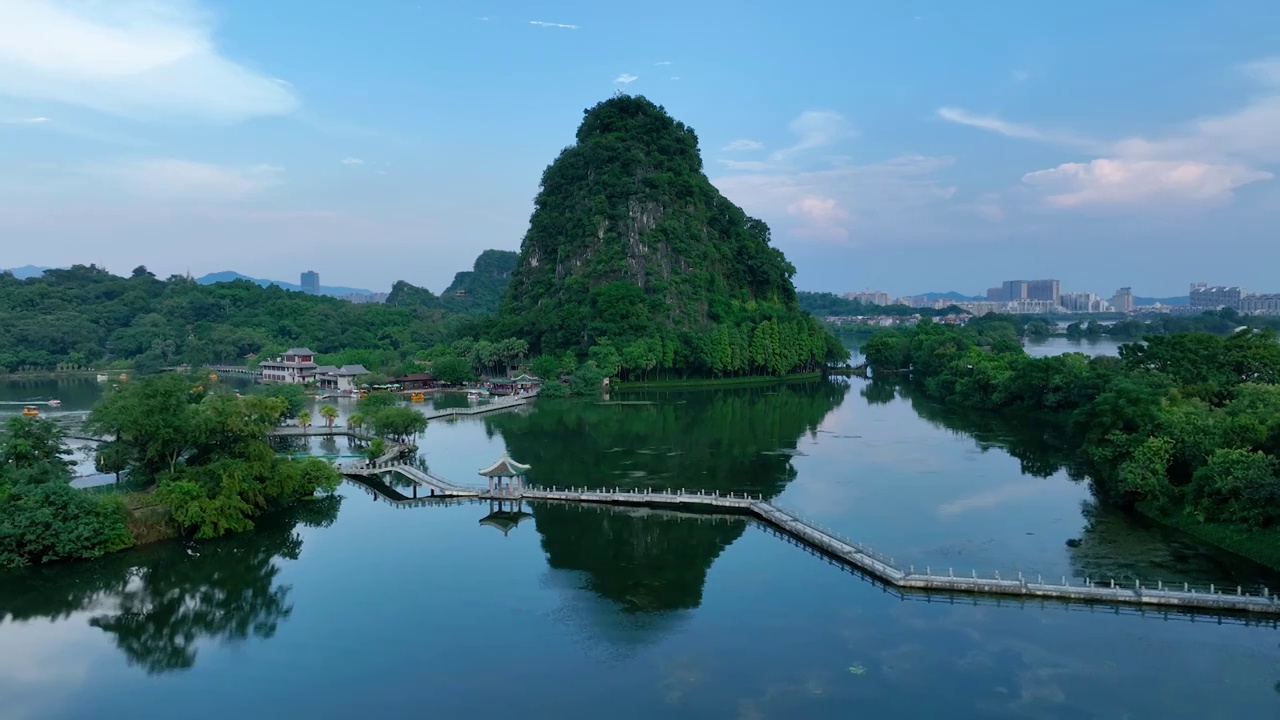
point(894, 145)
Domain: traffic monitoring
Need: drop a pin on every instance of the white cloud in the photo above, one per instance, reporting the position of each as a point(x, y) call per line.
point(815, 129)
point(675, 77)
point(1012, 129)
point(1204, 160)
point(171, 177)
point(822, 217)
point(352, 161)
point(626, 78)
point(663, 62)
point(137, 58)
point(743, 144)
point(1109, 181)
point(845, 203)
point(745, 165)
point(26, 121)
point(562, 26)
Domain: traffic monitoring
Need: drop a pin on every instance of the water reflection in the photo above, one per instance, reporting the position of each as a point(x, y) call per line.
point(1111, 544)
point(731, 441)
point(159, 604)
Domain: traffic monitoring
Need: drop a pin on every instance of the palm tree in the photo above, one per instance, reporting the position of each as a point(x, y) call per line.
point(329, 413)
point(304, 419)
point(355, 421)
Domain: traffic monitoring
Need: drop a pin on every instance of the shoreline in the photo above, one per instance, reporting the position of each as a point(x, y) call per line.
point(1259, 546)
point(693, 383)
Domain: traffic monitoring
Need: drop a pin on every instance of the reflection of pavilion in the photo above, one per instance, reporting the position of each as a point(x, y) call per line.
point(505, 469)
point(505, 515)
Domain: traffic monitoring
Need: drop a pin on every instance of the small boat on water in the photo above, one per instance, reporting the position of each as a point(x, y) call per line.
point(30, 411)
point(102, 377)
point(418, 397)
point(54, 402)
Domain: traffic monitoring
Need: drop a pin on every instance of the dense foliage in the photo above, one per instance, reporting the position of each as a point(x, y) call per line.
point(1217, 322)
point(825, 304)
point(87, 317)
point(630, 246)
point(43, 519)
point(207, 452)
point(1184, 425)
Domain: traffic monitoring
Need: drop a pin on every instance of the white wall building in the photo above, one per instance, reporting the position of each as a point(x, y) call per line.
point(297, 366)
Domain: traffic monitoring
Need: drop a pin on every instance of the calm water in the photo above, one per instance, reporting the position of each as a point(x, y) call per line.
point(353, 607)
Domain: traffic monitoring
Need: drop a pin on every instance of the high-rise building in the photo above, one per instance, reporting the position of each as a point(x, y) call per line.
point(1013, 290)
point(1047, 290)
point(1261, 304)
point(995, 294)
point(1210, 297)
point(1123, 300)
point(869, 297)
point(1083, 302)
point(311, 282)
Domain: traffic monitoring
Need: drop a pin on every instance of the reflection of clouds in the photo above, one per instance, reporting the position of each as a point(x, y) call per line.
point(45, 663)
point(989, 498)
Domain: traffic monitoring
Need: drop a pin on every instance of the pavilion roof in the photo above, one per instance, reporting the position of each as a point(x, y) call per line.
point(505, 467)
point(503, 520)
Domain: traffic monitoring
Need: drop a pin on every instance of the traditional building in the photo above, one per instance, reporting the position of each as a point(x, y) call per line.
point(296, 366)
point(513, 386)
point(339, 379)
point(416, 381)
point(505, 469)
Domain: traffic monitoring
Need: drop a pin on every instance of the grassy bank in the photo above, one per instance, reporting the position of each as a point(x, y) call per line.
point(690, 383)
point(1260, 546)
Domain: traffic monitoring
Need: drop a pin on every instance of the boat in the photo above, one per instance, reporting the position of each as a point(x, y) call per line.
point(102, 377)
point(418, 397)
point(30, 411)
point(54, 402)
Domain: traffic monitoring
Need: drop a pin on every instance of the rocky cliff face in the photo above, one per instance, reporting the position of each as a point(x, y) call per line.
point(629, 237)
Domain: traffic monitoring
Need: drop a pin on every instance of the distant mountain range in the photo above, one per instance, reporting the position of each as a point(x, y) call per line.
point(951, 295)
point(231, 275)
point(26, 271)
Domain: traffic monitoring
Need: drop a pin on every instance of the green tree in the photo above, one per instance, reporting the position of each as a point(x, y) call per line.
point(1236, 486)
point(52, 521)
point(398, 422)
point(547, 367)
point(155, 417)
point(452, 370)
point(33, 450)
point(377, 448)
point(304, 419)
point(329, 413)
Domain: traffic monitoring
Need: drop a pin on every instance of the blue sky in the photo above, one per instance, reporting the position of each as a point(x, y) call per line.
point(903, 146)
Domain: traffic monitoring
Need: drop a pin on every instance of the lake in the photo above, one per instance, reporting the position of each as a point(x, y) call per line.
point(354, 607)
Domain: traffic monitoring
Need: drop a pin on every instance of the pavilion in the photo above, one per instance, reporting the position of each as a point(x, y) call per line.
point(505, 469)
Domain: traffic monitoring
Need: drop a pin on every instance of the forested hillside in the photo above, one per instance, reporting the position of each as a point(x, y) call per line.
point(85, 316)
point(630, 247)
point(476, 291)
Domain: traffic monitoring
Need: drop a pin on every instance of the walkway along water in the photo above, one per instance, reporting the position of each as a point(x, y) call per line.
point(846, 552)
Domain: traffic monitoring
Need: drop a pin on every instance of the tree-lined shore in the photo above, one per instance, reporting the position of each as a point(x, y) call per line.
point(1184, 427)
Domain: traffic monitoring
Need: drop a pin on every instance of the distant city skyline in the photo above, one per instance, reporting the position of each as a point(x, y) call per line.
point(884, 144)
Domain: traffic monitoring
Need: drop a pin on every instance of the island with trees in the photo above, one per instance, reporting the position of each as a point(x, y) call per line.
point(1184, 428)
point(201, 460)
